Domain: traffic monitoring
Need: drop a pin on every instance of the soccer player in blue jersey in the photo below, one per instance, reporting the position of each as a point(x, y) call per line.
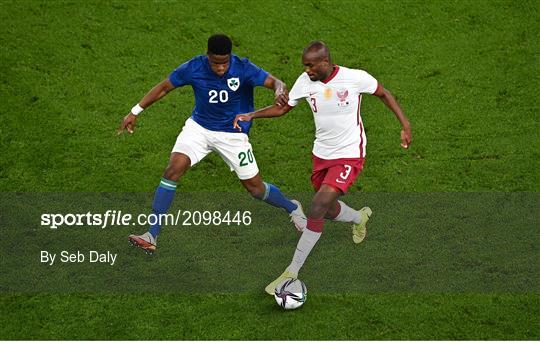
point(223, 86)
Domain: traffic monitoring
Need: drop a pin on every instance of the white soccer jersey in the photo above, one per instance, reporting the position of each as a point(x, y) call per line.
point(335, 103)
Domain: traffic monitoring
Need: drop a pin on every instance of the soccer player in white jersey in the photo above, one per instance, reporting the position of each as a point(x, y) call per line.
point(334, 94)
point(223, 86)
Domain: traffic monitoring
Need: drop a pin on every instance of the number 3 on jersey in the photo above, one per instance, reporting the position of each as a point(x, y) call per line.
point(313, 104)
point(215, 97)
point(344, 175)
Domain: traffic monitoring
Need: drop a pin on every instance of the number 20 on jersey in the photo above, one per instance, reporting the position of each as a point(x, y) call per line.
point(217, 97)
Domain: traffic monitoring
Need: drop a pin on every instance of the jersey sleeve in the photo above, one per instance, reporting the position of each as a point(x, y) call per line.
point(181, 75)
point(365, 82)
point(254, 75)
point(297, 92)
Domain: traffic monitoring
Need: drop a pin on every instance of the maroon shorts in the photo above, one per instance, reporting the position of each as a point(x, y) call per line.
point(338, 173)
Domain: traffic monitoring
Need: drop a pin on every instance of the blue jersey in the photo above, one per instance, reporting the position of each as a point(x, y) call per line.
point(219, 99)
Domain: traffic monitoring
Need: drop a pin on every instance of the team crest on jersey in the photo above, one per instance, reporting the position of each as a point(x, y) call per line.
point(342, 95)
point(233, 83)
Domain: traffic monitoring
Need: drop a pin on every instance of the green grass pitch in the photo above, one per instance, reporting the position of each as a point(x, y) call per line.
point(466, 74)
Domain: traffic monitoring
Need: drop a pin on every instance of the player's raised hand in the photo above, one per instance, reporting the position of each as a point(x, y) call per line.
point(127, 124)
point(406, 137)
point(241, 117)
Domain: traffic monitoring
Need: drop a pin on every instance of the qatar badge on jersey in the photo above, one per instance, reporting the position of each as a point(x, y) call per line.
point(233, 83)
point(342, 95)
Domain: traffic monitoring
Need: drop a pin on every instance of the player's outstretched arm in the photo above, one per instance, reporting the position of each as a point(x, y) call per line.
point(280, 90)
point(155, 94)
point(268, 112)
point(388, 99)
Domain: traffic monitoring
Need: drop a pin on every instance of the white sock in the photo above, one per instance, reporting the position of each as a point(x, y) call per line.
point(308, 239)
point(347, 214)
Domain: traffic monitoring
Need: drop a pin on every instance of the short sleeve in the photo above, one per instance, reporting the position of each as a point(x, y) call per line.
point(254, 75)
point(297, 92)
point(365, 82)
point(181, 75)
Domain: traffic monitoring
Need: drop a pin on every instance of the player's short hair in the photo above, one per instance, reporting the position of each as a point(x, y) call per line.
point(320, 47)
point(219, 44)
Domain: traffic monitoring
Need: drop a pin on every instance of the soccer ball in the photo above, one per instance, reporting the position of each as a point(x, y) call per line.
point(290, 293)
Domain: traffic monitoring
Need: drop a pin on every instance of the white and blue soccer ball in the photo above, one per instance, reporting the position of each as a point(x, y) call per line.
point(290, 293)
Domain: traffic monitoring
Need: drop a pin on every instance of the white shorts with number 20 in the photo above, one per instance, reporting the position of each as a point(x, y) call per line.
point(196, 142)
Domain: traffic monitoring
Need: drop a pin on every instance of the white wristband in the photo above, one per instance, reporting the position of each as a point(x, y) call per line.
point(137, 109)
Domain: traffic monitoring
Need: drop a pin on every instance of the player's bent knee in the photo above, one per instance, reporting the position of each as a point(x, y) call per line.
point(178, 164)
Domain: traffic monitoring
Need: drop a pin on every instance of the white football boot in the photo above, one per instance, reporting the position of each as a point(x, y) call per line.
point(298, 217)
point(145, 242)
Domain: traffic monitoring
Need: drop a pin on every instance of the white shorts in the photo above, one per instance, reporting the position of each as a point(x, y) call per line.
point(196, 142)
